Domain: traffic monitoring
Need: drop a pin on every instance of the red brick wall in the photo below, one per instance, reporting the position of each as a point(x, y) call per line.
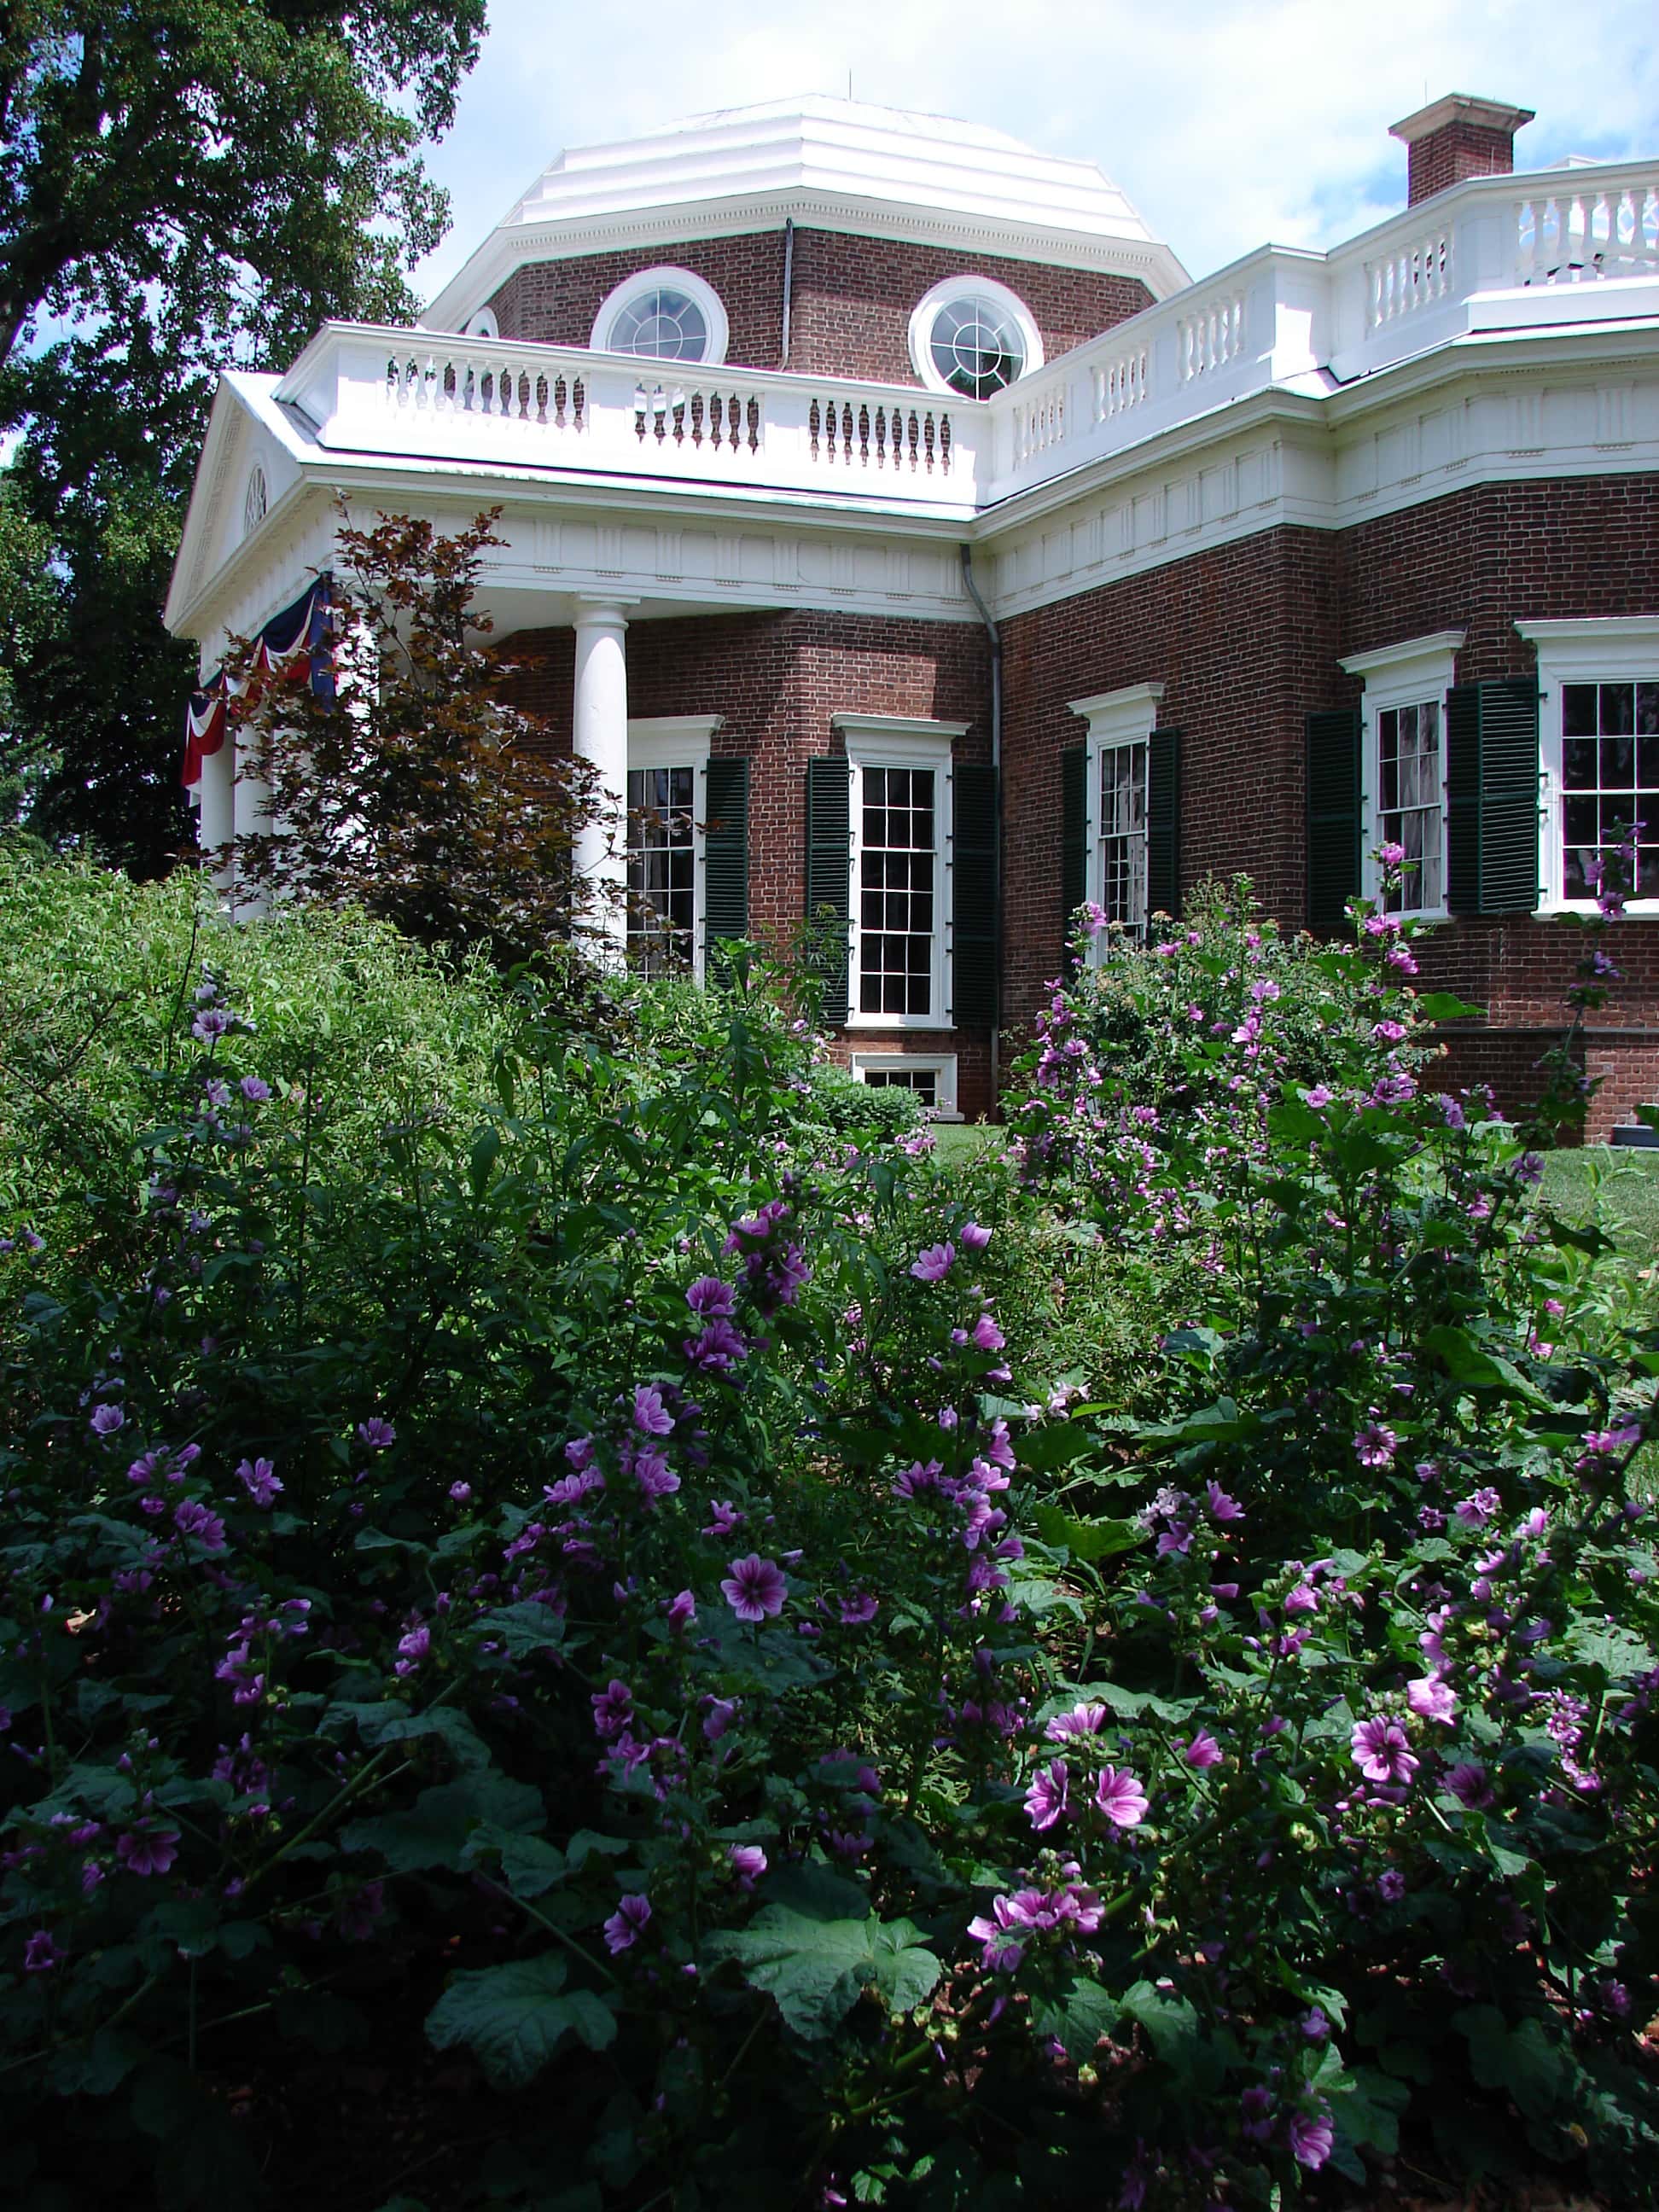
point(777, 679)
point(1449, 154)
point(851, 297)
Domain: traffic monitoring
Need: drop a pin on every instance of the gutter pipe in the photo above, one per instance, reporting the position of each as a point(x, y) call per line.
point(994, 640)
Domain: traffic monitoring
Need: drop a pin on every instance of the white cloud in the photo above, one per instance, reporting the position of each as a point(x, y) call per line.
point(1229, 123)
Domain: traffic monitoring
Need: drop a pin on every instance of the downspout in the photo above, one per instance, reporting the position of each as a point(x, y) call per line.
point(788, 284)
point(995, 641)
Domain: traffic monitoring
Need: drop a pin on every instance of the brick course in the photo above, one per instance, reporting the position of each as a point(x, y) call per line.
point(1457, 151)
point(851, 298)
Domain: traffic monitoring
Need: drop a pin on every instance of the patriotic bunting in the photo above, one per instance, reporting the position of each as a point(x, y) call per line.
point(293, 647)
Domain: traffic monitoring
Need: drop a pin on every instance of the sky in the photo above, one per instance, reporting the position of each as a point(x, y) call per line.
point(1229, 123)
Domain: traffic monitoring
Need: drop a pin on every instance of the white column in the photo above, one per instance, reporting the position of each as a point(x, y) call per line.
point(217, 824)
point(600, 735)
point(251, 810)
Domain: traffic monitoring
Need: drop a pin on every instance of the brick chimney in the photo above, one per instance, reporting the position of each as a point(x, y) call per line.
point(1455, 138)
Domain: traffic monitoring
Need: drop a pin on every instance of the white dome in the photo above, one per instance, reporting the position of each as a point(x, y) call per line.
point(833, 164)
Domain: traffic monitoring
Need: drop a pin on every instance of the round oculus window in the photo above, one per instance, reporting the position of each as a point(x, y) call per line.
point(661, 325)
point(976, 344)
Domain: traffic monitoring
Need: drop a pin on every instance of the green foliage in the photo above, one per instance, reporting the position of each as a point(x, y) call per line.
point(184, 188)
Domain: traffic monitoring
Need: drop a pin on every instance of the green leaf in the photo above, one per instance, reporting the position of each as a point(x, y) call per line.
point(379, 1725)
point(1086, 1539)
point(1078, 2018)
point(816, 1970)
point(435, 1830)
point(1444, 1006)
point(514, 2017)
point(1521, 2060)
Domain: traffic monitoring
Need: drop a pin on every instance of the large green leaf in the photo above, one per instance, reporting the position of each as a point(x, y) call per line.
point(434, 1831)
point(816, 1970)
point(515, 2017)
point(1086, 1539)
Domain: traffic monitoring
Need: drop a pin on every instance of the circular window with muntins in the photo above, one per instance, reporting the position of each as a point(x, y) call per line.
point(973, 336)
point(663, 314)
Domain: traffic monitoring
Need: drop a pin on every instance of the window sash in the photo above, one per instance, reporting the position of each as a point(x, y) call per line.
point(663, 867)
point(1608, 780)
point(1120, 842)
point(1410, 748)
point(901, 832)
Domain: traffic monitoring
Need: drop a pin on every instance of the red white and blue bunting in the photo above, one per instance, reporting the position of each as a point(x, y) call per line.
point(293, 647)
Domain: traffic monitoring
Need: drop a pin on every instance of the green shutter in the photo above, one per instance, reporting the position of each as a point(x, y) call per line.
point(829, 872)
point(1073, 834)
point(1492, 797)
point(1333, 811)
point(725, 853)
point(1164, 822)
point(974, 958)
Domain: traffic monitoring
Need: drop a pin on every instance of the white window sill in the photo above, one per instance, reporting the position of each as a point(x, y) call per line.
point(889, 1025)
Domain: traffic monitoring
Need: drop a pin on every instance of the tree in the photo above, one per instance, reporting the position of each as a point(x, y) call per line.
point(186, 185)
point(409, 786)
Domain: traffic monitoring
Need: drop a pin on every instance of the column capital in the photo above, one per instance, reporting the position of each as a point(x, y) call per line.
point(602, 610)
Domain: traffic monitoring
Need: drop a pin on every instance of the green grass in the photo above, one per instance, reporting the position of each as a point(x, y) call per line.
point(1617, 1184)
point(957, 1142)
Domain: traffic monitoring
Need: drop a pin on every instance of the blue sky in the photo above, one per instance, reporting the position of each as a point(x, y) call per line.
point(1229, 123)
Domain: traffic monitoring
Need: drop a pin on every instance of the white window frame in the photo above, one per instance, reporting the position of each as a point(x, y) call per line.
point(904, 741)
point(943, 1065)
point(922, 331)
point(678, 280)
point(683, 741)
point(1590, 649)
point(1413, 673)
point(1128, 717)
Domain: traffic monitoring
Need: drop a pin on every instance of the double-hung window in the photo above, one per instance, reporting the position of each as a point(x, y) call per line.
point(1598, 682)
point(901, 821)
point(667, 808)
point(1116, 799)
point(1403, 805)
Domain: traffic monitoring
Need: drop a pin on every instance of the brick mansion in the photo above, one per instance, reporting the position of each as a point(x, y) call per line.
point(899, 531)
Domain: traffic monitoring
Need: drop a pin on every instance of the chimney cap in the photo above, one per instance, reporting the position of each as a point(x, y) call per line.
point(1460, 108)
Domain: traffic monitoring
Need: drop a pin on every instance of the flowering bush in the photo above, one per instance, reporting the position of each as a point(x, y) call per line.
point(561, 1616)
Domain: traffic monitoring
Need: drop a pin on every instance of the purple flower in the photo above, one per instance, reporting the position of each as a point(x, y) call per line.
point(1319, 1095)
point(1001, 1952)
point(723, 1518)
point(1046, 1799)
point(259, 1479)
point(376, 1434)
point(1475, 1511)
point(106, 1419)
point(754, 1589)
point(613, 1708)
point(1120, 1796)
point(1202, 1751)
point(1382, 1751)
point(360, 1912)
point(935, 1263)
point(748, 1864)
point(986, 1335)
point(1222, 1507)
point(717, 1349)
point(460, 1491)
point(856, 1610)
point(40, 1954)
point(1391, 1885)
point(210, 1023)
point(654, 1475)
point(148, 1850)
point(1086, 1719)
point(682, 1611)
point(413, 1645)
point(973, 1236)
point(194, 1519)
point(627, 1923)
point(711, 1298)
point(1468, 1783)
point(1431, 1697)
point(254, 1090)
point(1255, 2109)
point(1311, 2137)
point(650, 1416)
point(1375, 1445)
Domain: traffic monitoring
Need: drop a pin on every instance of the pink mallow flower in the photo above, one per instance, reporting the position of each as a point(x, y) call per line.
point(1120, 1796)
point(1311, 2137)
point(754, 1589)
point(148, 1850)
point(650, 1416)
point(973, 1238)
point(1431, 1697)
point(258, 1477)
point(1046, 1799)
point(748, 1864)
point(1382, 1752)
point(627, 1923)
point(1202, 1751)
point(934, 1264)
point(1375, 1445)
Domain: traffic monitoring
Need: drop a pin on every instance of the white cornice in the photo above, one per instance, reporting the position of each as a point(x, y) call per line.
point(1391, 660)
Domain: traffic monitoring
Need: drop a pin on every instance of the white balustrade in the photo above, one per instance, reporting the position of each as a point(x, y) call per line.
point(1494, 253)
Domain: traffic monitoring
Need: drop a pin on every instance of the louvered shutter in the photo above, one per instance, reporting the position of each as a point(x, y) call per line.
point(1492, 797)
point(828, 872)
point(1073, 834)
point(1334, 812)
point(725, 855)
point(974, 894)
point(1164, 822)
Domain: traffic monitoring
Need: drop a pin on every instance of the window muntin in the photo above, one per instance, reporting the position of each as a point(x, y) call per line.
point(662, 870)
point(932, 1077)
point(663, 314)
point(923, 1081)
point(972, 337)
point(661, 325)
point(898, 890)
point(1410, 810)
point(1609, 781)
point(1120, 868)
point(255, 501)
point(976, 345)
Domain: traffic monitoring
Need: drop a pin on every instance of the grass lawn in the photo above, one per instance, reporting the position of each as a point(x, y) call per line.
point(1618, 1185)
